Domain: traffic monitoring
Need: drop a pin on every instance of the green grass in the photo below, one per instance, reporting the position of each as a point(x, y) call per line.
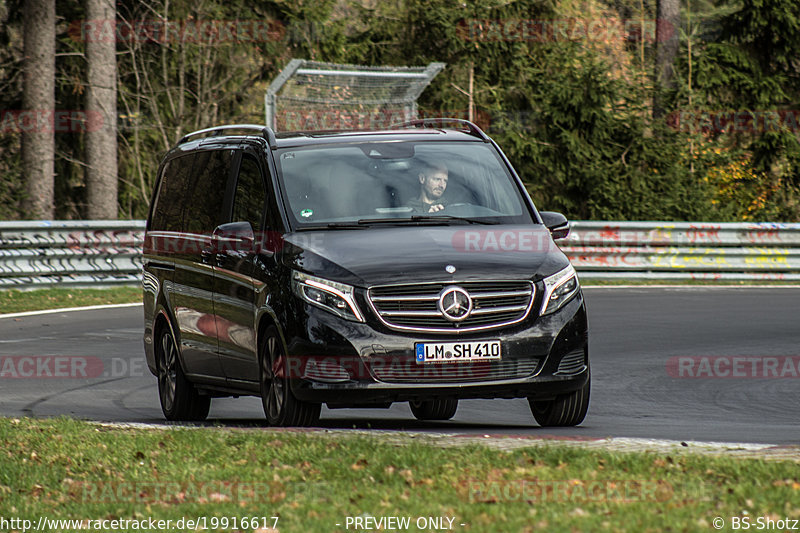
point(64, 468)
point(15, 301)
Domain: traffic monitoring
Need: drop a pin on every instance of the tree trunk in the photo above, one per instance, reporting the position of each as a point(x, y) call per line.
point(667, 33)
point(101, 111)
point(38, 102)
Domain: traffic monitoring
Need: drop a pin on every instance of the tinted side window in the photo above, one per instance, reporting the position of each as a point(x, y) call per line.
point(167, 213)
point(251, 195)
point(204, 196)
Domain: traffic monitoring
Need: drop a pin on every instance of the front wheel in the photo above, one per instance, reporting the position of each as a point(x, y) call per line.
point(434, 409)
point(565, 410)
point(280, 406)
point(179, 399)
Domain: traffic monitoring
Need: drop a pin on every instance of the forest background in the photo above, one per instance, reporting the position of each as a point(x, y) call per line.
point(600, 118)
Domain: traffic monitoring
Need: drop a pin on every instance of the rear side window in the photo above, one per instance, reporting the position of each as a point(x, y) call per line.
point(204, 196)
point(190, 197)
point(251, 195)
point(168, 210)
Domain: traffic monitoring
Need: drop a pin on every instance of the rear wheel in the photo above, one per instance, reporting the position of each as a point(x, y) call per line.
point(565, 410)
point(179, 399)
point(280, 406)
point(434, 409)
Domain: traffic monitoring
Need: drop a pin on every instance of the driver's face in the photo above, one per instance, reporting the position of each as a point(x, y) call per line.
point(434, 183)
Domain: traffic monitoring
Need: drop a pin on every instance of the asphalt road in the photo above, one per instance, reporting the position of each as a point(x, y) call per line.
point(644, 345)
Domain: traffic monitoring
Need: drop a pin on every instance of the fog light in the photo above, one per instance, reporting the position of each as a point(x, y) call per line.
point(327, 370)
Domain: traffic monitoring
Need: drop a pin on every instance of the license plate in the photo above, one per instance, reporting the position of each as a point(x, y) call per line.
point(457, 352)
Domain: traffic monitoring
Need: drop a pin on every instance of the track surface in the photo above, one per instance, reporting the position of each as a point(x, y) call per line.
point(633, 334)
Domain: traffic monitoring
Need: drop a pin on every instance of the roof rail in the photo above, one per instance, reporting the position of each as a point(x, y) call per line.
point(422, 122)
point(265, 131)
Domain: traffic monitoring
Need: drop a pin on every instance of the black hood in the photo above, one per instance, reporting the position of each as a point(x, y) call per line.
point(397, 254)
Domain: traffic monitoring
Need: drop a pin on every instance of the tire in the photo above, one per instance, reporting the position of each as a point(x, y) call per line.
point(280, 406)
point(434, 409)
point(179, 398)
point(565, 410)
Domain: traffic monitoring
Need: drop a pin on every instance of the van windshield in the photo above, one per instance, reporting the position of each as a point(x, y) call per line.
point(398, 182)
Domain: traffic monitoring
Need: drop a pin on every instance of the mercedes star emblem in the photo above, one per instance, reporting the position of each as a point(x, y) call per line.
point(455, 304)
point(450, 269)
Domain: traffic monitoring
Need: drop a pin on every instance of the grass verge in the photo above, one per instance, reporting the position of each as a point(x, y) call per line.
point(66, 469)
point(15, 301)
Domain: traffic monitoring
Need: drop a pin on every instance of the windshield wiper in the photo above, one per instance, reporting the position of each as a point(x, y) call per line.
point(330, 225)
point(424, 219)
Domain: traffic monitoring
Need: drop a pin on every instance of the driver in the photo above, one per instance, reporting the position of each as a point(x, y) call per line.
point(433, 182)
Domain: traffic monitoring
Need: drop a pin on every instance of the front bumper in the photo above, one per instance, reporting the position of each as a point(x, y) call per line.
point(343, 363)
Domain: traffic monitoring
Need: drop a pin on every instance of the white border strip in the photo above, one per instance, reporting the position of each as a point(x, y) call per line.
point(68, 309)
point(521, 440)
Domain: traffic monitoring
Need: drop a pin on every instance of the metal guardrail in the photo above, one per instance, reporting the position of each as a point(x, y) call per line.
point(104, 253)
point(684, 250)
point(70, 253)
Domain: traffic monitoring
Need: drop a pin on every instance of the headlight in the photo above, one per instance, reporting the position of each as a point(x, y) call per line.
point(559, 288)
point(332, 296)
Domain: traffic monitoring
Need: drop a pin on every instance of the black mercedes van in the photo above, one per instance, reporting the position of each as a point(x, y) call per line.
point(357, 269)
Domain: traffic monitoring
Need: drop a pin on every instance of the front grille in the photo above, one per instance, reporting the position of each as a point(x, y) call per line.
point(572, 363)
point(414, 306)
point(411, 372)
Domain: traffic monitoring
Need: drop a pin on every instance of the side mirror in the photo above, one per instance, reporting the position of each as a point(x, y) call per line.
point(556, 223)
point(233, 237)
